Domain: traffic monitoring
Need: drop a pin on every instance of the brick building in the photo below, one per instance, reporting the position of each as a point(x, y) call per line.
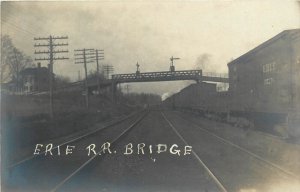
point(35, 79)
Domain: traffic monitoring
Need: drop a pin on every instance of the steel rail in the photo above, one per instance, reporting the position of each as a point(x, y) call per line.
point(216, 180)
point(75, 139)
point(59, 185)
point(223, 140)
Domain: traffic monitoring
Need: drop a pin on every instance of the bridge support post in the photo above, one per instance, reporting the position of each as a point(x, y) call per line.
point(199, 77)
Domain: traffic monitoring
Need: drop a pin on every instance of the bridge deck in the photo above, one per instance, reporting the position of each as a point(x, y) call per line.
point(170, 76)
point(158, 76)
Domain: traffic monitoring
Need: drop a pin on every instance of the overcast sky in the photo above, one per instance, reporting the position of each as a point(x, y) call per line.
point(150, 32)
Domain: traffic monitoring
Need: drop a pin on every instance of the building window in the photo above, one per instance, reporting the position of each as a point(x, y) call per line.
point(269, 67)
point(268, 81)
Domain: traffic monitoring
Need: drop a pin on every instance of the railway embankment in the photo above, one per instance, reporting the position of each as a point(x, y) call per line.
point(25, 121)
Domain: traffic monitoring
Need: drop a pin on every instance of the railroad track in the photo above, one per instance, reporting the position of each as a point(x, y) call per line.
point(112, 144)
point(110, 124)
point(211, 174)
point(77, 170)
point(244, 150)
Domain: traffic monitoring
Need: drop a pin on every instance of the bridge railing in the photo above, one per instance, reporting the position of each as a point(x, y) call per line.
point(162, 74)
point(213, 74)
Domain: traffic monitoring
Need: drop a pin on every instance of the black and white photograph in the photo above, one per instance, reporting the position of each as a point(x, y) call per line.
point(154, 96)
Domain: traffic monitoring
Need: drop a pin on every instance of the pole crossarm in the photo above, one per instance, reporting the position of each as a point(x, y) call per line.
point(41, 38)
point(48, 38)
point(54, 45)
point(84, 57)
point(86, 54)
point(84, 49)
point(47, 52)
point(41, 45)
point(41, 59)
point(82, 62)
point(48, 58)
point(60, 58)
point(60, 44)
point(62, 37)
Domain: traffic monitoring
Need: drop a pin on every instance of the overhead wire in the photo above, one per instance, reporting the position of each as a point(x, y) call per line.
point(12, 20)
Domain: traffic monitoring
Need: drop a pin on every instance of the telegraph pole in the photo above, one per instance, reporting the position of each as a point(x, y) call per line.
point(108, 69)
point(99, 56)
point(51, 45)
point(84, 56)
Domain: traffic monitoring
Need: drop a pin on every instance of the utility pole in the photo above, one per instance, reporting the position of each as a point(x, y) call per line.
point(84, 56)
point(51, 45)
point(99, 56)
point(108, 69)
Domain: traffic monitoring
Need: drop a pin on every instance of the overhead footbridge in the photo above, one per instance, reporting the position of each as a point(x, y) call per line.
point(195, 75)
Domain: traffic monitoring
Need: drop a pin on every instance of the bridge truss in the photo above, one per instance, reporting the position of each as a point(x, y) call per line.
point(195, 75)
point(158, 76)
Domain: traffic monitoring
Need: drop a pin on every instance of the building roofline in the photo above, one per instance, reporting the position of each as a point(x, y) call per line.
point(263, 45)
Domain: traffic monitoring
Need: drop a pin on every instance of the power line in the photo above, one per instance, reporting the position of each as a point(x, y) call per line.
point(12, 20)
point(15, 16)
point(20, 30)
point(17, 27)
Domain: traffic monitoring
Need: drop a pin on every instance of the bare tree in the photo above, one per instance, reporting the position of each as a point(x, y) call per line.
point(12, 60)
point(6, 58)
point(92, 76)
point(61, 81)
